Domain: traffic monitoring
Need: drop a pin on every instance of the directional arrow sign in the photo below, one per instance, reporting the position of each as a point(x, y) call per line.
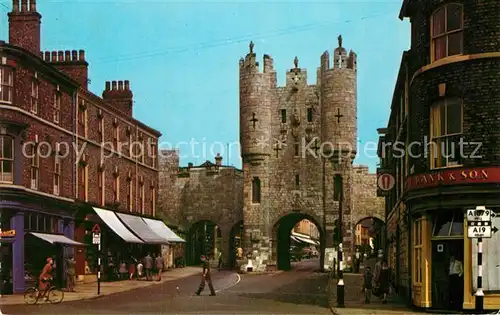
point(494, 229)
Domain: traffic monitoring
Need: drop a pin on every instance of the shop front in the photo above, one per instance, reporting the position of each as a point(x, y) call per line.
point(443, 258)
point(29, 234)
point(125, 238)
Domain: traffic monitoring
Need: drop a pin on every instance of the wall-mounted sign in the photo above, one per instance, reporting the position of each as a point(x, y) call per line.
point(455, 176)
point(8, 233)
point(385, 182)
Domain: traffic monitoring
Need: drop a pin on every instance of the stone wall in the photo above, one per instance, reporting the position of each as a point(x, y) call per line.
point(365, 201)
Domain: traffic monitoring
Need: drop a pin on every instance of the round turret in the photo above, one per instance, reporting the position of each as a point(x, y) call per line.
point(255, 108)
point(339, 102)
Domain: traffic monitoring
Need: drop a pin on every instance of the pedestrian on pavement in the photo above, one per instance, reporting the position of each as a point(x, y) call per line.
point(358, 260)
point(123, 270)
point(148, 264)
point(384, 281)
point(219, 266)
point(159, 265)
point(70, 274)
point(206, 277)
point(367, 285)
point(140, 270)
point(131, 269)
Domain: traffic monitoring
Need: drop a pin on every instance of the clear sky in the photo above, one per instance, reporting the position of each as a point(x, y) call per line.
point(182, 57)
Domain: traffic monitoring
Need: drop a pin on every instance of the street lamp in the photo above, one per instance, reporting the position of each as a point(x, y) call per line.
point(337, 155)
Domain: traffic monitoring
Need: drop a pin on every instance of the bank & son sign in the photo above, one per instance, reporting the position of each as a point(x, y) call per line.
point(455, 176)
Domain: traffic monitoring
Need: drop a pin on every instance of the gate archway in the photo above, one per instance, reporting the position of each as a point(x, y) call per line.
point(288, 246)
point(203, 238)
point(369, 235)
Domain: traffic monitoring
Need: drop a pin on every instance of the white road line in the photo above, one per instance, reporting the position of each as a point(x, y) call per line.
point(232, 285)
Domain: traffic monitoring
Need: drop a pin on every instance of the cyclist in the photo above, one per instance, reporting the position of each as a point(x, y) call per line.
point(45, 277)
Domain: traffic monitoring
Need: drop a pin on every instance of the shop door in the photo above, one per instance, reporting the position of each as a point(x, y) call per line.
point(442, 250)
point(6, 281)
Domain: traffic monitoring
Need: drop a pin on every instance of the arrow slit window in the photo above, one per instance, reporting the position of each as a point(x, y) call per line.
point(256, 190)
point(446, 121)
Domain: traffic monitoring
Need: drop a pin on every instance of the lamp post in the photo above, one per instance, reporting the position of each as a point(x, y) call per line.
point(338, 154)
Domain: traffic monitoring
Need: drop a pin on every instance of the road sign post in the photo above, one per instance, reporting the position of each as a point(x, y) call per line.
point(96, 239)
point(479, 226)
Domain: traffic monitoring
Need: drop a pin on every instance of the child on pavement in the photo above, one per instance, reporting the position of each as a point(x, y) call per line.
point(367, 284)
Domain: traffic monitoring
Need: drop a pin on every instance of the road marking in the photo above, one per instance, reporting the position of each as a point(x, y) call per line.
point(232, 285)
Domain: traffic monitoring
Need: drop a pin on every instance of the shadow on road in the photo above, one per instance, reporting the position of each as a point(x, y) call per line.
point(309, 291)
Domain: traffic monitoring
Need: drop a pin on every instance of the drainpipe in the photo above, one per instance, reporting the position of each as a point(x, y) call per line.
point(75, 140)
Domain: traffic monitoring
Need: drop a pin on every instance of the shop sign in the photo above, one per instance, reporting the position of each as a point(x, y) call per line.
point(454, 176)
point(8, 233)
point(385, 182)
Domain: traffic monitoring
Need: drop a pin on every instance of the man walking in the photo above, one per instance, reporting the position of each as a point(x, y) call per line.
point(159, 266)
point(206, 277)
point(219, 266)
point(357, 261)
point(148, 264)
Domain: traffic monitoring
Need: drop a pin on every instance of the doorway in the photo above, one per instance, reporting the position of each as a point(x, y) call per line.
point(6, 280)
point(444, 292)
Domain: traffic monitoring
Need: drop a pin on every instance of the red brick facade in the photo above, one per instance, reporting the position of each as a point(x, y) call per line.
point(49, 101)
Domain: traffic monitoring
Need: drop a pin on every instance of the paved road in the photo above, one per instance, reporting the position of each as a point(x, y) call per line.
point(300, 291)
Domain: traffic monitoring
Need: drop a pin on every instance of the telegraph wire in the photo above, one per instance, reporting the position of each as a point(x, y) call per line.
point(225, 42)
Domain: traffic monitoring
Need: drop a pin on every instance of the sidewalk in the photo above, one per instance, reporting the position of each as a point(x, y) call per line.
point(89, 290)
point(354, 300)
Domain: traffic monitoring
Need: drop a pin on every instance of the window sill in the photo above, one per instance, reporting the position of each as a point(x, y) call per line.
point(6, 102)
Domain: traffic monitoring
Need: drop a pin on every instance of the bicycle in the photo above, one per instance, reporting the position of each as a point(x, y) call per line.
point(52, 295)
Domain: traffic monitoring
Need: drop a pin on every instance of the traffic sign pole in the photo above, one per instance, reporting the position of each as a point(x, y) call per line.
point(96, 239)
point(479, 293)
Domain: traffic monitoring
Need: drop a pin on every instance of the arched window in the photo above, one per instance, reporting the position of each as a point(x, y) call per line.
point(446, 131)
point(6, 159)
point(255, 190)
point(447, 31)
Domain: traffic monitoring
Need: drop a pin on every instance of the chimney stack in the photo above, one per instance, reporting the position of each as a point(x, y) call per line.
point(218, 160)
point(24, 26)
point(119, 95)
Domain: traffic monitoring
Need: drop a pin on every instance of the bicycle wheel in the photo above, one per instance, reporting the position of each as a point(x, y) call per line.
point(31, 295)
point(55, 296)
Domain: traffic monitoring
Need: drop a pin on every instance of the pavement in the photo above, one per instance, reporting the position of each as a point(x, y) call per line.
point(88, 291)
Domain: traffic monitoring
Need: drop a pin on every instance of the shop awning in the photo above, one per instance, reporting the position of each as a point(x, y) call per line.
point(139, 227)
point(111, 220)
point(57, 239)
point(163, 230)
point(304, 239)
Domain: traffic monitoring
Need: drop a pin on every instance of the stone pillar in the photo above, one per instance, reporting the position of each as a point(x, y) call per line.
point(17, 224)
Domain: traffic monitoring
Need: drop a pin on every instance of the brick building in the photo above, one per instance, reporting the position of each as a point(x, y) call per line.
point(441, 145)
point(65, 159)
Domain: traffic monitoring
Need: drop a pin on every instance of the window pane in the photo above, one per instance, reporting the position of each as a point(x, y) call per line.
point(443, 223)
point(455, 43)
point(454, 17)
point(454, 116)
point(442, 119)
point(7, 148)
point(458, 224)
point(439, 48)
point(438, 22)
point(457, 149)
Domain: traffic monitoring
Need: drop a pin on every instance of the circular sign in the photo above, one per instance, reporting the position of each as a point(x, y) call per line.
point(386, 182)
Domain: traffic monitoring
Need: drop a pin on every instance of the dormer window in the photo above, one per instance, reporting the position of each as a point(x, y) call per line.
point(447, 31)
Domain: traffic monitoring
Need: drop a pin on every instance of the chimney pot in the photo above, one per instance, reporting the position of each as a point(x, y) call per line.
point(120, 85)
point(60, 55)
point(74, 55)
point(24, 5)
point(113, 84)
point(127, 85)
point(15, 6)
point(33, 5)
point(47, 56)
point(82, 55)
point(108, 85)
point(54, 56)
point(67, 55)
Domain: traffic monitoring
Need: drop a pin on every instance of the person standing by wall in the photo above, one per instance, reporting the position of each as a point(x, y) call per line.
point(160, 264)
point(70, 274)
point(206, 277)
point(148, 264)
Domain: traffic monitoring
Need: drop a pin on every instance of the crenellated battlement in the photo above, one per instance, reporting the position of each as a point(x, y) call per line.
point(64, 56)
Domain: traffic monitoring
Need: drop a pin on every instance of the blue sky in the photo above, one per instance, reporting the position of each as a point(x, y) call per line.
point(182, 57)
